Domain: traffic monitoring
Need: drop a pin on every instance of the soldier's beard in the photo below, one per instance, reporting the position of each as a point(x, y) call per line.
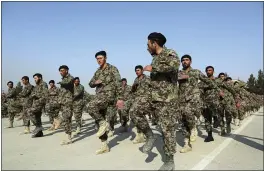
point(37, 82)
point(209, 75)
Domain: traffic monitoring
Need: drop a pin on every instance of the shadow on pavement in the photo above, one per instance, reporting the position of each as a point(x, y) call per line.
point(244, 139)
point(120, 137)
point(86, 131)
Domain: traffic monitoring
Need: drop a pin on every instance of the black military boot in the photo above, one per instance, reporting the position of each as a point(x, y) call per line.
point(168, 164)
point(147, 147)
point(209, 137)
point(37, 132)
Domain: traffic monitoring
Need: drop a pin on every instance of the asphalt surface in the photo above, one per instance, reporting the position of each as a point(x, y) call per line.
point(242, 150)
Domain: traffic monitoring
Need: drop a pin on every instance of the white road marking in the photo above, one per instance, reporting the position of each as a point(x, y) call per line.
point(210, 157)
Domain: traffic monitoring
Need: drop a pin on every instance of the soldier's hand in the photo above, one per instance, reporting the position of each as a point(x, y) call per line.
point(148, 68)
point(120, 104)
point(134, 87)
point(182, 76)
point(98, 82)
point(221, 93)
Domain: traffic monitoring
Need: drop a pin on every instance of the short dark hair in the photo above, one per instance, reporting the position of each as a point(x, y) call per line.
point(76, 78)
point(63, 67)
point(38, 75)
point(124, 79)
point(159, 38)
point(103, 53)
point(139, 67)
point(10, 82)
point(228, 78)
point(25, 78)
point(186, 56)
point(221, 74)
point(52, 81)
point(209, 67)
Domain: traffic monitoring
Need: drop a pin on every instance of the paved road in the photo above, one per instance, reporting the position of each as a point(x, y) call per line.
point(242, 150)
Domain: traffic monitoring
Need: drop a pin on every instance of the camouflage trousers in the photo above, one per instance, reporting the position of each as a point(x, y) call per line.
point(4, 111)
point(12, 111)
point(188, 111)
point(208, 117)
point(167, 121)
point(26, 115)
point(138, 110)
point(227, 111)
point(124, 113)
point(67, 112)
point(111, 116)
point(211, 110)
point(241, 111)
point(99, 102)
point(100, 107)
point(78, 110)
point(34, 114)
point(52, 111)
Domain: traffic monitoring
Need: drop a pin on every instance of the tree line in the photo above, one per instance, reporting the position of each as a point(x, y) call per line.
point(256, 85)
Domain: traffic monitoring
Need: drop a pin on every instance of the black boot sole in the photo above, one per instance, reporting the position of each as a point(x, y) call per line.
point(38, 134)
point(208, 139)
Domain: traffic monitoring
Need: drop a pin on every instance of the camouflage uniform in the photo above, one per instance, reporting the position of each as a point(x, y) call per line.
point(106, 94)
point(227, 105)
point(14, 104)
point(4, 105)
point(39, 95)
point(123, 113)
point(27, 103)
point(240, 101)
point(163, 76)
point(53, 107)
point(140, 106)
point(78, 105)
point(66, 103)
point(86, 99)
point(190, 101)
point(211, 105)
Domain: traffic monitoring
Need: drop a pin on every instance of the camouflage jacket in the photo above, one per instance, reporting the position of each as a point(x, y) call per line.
point(164, 75)
point(3, 101)
point(209, 95)
point(126, 91)
point(39, 95)
point(189, 88)
point(111, 85)
point(25, 95)
point(142, 87)
point(66, 90)
point(228, 90)
point(12, 96)
point(87, 97)
point(3, 98)
point(78, 95)
point(53, 97)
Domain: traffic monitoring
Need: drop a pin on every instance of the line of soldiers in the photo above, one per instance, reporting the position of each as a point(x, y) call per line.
point(169, 95)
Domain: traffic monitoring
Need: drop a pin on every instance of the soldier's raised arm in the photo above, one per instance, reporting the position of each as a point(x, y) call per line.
point(209, 83)
point(66, 81)
point(79, 92)
point(93, 80)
